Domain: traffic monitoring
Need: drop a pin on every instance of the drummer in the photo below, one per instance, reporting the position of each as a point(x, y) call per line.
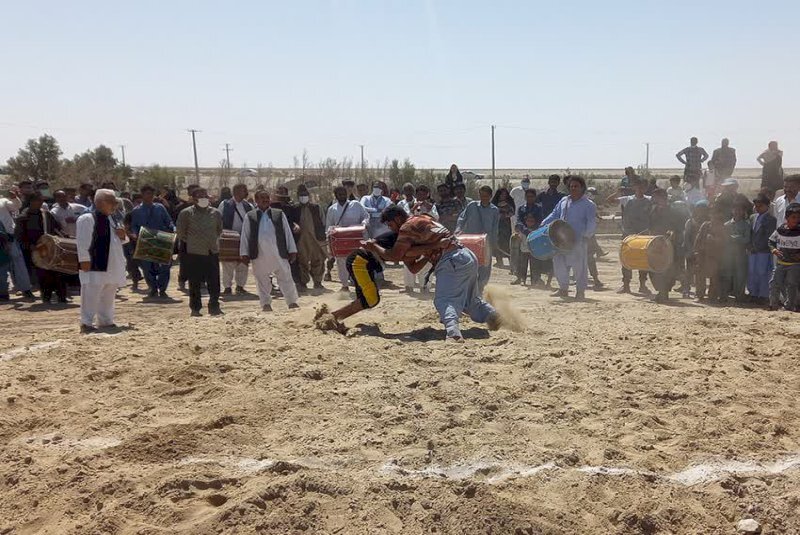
point(152, 216)
point(666, 221)
point(580, 212)
point(344, 213)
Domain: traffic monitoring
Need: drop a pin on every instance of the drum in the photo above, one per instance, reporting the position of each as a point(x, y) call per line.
point(55, 253)
point(154, 246)
point(646, 253)
point(344, 240)
point(229, 243)
point(477, 244)
point(557, 237)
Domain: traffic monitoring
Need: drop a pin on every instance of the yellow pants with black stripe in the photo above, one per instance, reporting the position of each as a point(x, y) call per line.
point(362, 267)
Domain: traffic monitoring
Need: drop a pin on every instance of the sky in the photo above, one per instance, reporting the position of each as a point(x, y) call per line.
point(567, 84)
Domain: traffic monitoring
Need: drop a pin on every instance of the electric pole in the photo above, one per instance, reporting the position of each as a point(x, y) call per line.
point(123, 154)
point(493, 170)
point(228, 150)
point(647, 159)
point(363, 171)
point(194, 148)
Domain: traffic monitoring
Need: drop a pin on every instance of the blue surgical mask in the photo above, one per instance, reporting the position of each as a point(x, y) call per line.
point(377, 192)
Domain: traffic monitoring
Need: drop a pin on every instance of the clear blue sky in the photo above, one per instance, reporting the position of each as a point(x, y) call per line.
point(580, 84)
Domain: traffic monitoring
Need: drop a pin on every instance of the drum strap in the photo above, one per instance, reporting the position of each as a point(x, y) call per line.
point(346, 206)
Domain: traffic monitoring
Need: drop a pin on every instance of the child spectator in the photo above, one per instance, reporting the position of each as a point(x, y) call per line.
point(526, 259)
point(675, 192)
point(785, 246)
point(733, 275)
point(708, 247)
point(693, 224)
point(760, 264)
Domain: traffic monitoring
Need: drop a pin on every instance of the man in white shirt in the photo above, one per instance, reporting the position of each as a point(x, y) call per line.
point(9, 207)
point(267, 241)
point(101, 260)
point(344, 213)
point(234, 211)
point(375, 204)
point(518, 196)
point(518, 193)
point(422, 205)
point(791, 188)
point(66, 213)
point(408, 197)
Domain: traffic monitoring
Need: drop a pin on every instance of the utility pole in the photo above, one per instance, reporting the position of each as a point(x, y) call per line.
point(123, 154)
point(363, 171)
point(194, 148)
point(493, 170)
point(647, 159)
point(228, 150)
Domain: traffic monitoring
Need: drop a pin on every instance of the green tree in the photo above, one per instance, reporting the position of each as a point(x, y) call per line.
point(408, 173)
point(395, 175)
point(94, 166)
point(158, 177)
point(38, 160)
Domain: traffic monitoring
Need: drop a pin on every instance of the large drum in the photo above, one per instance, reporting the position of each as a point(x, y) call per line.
point(477, 244)
point(646, 253)
point(344, 240)
point(557, 237)
point(154, 246)
point(55, 253)
point(229, 243)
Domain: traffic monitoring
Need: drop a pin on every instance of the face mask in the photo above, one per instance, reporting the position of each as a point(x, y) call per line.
point(303, 199)
point(203, 202)
point(45, 192)
point(377, 192)
point(526, 185)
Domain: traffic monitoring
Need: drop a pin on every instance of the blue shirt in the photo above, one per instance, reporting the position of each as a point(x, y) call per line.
point(581, 216)
point(523, 212)
point(153, 216)
point(549, 201)
point(479, 219)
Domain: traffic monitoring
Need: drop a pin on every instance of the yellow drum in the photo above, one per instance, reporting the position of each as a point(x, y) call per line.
point(646, 253)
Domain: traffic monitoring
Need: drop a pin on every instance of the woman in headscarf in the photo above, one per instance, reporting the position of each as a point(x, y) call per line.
point(453, 177)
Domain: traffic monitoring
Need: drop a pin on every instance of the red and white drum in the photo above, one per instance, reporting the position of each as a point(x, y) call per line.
point(344, 240)
point(477, 244)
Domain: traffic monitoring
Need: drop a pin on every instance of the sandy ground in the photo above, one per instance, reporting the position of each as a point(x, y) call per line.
point(610, 416)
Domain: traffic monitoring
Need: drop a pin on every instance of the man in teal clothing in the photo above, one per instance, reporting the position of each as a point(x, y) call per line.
point(481, 217)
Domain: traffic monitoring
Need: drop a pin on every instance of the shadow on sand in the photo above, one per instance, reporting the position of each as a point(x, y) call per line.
point(425, 334)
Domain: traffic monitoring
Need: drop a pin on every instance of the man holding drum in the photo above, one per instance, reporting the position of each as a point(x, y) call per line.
point(101, 260)
point(581, 214)
point(344, 213)
point(152, 216)
point(234, 211)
